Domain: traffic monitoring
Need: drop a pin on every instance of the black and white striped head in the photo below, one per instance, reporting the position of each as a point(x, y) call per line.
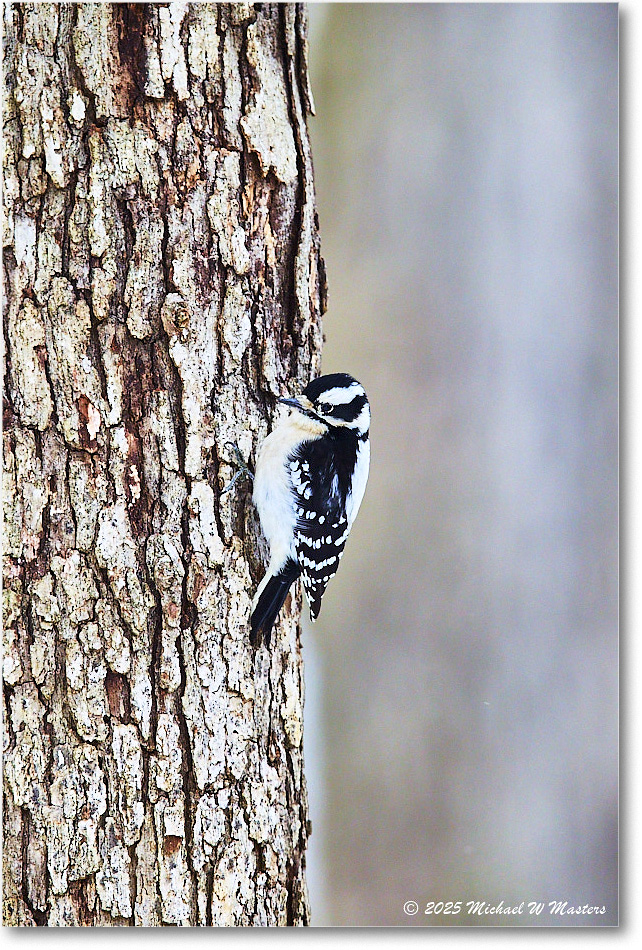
point(337, 400)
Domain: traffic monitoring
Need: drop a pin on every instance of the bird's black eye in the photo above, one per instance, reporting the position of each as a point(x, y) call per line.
point(324, 408)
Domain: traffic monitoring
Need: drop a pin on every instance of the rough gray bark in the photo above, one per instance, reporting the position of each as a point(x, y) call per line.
point(164, 286)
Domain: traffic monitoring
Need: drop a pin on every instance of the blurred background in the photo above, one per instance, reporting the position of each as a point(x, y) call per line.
point(461, 683)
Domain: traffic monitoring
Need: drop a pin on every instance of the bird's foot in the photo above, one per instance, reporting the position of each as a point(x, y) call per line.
point(243, 468)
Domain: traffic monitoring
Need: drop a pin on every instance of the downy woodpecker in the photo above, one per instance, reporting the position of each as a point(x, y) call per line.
point(311, 473)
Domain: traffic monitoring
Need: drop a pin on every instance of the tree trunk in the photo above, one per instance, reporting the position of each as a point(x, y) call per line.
point(165, 286)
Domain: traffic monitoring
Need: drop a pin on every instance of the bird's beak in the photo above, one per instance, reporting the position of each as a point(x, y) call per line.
point(292, 402)
point(303, 404)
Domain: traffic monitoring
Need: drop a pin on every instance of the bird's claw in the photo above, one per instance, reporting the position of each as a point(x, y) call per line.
point(243, 468)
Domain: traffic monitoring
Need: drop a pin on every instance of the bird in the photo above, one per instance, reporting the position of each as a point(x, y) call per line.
point(310, 477)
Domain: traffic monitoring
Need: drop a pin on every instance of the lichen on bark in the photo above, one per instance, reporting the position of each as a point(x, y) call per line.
point(164, 287)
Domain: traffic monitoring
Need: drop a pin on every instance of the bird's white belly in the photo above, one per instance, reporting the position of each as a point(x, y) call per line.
point(273, 496)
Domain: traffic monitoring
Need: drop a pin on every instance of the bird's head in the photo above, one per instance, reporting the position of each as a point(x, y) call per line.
point(338, 401)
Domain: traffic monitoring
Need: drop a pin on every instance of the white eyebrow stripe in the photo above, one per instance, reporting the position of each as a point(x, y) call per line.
point(339, 395)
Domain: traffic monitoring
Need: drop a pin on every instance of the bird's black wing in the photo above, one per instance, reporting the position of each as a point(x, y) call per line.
point(322, 525)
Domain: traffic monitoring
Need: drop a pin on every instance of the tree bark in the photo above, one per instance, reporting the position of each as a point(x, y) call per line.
point(164, 287)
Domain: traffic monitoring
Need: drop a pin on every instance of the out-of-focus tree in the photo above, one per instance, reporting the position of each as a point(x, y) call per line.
point(466, 159)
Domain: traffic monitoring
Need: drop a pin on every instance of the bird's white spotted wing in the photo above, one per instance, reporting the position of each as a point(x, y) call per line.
point(319, 537)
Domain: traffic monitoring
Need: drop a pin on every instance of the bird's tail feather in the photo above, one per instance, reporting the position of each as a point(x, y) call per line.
point(269, 603)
